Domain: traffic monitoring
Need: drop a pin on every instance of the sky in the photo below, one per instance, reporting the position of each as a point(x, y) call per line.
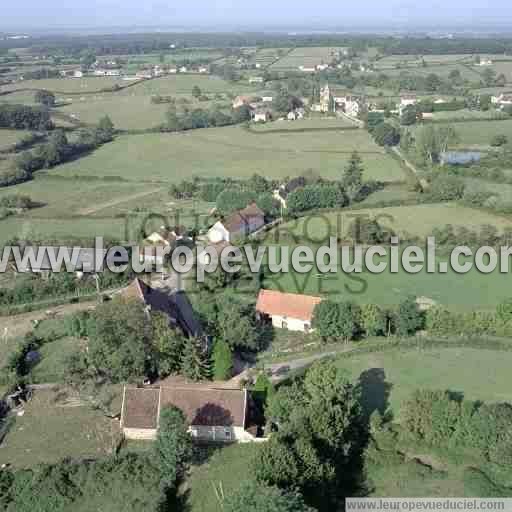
point(259, 14)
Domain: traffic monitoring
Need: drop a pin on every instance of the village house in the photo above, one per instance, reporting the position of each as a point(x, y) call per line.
point(238, 225)
point(144, 74)
point(158, 70)
point(284, 190)
point(203, 69)
point(172, 303)
point(267, 99)
point(78, 74)
point(262, 116)
point(406, 101)
point(307, 69)
point(502, 100)
point(296, 114)
point(239, 101)
point(286, 310)
point(162, 238)
point(216, 415)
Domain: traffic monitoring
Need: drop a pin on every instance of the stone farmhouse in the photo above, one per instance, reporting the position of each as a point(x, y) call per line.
point(217, 415)
point(286, 310)
point(238, 225)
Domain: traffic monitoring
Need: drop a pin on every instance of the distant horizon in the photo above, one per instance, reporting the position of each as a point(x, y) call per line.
point(501, 29)
point(369, 16)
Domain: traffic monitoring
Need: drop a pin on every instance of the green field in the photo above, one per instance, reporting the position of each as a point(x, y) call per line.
point(466, 292)
point(481, 133)
point(401, 372)
point(135, 112)
point(132, 108)
point(304, 124)
point(51, 430)
point(470, 291)
point(501, 67)
point(10, 137)
point(308, 57)
point(71, 85)
point(25, 97)
point(87, 208)
point(233, 152)
point(470, 115)
point(416, 60)
point(417, 220)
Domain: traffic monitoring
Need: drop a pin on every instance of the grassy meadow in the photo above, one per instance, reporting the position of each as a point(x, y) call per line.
point(462, 292)
point(482, 132)
point(416, 220)
point(307, 57)
point(234, 152)
point(10, 137)
point(393, 375)
point(78, 208)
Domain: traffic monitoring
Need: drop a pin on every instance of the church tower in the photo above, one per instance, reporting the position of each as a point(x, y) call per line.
point(325, 98)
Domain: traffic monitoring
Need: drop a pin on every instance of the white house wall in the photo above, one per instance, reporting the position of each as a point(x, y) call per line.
point(218, 233)
point(292, 324)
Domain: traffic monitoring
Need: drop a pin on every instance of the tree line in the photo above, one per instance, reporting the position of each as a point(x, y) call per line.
point(57, 150)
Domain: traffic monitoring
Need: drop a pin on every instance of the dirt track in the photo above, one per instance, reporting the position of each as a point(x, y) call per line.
point(115, 202)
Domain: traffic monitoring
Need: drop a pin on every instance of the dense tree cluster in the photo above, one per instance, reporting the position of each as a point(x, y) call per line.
point(442, 322)
point(118, 483)
point(345, 320)
point(314, 197)
point(127, 345)
point(46, 98)
point(23, 117)
point(319, 438)
point(58, 150)
point(201, 118)
point(441, 419)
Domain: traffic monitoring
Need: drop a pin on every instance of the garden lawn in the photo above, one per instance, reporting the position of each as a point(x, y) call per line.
point(49, 431)
point(52, 366)
point(224, 470)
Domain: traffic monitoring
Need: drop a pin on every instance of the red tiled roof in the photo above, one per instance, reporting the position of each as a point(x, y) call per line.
point(240, 220)
point(289, 305)
point(140, 408)
point(202, 405)
point(208, 406)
